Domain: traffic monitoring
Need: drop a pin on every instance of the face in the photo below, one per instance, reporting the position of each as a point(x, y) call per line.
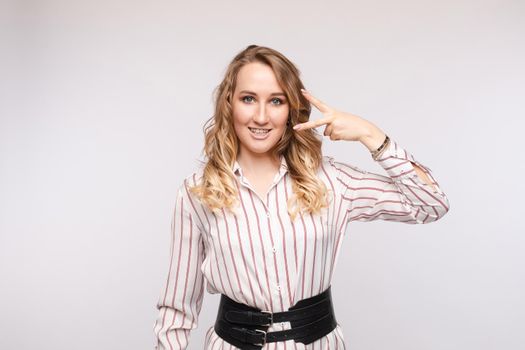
point(260, 109)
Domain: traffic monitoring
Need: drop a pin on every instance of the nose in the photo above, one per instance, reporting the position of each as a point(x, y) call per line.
point(261, 117)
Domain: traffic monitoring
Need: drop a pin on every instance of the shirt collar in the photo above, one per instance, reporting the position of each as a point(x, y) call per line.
point(282, 168)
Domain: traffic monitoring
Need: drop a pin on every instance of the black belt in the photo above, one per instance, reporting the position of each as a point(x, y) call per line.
point(246, 327)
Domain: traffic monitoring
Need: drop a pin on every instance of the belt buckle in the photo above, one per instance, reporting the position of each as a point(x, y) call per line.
point(271, 318)
point(264, 337)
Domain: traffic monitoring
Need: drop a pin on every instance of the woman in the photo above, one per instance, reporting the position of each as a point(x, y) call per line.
point(264, 219)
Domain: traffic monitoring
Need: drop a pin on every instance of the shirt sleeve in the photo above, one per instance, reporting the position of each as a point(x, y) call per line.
point(181, 297)
point(402, 196)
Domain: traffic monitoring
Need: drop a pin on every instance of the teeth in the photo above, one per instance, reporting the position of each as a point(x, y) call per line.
point(259, 131)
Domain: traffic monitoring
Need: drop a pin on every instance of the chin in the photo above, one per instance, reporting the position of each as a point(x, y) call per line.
point(262, 147)
point(259, 150)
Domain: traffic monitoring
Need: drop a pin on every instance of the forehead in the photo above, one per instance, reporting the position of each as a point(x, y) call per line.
point(257, 77)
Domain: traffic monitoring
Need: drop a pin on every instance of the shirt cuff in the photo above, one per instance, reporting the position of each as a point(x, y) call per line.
point(396, 161)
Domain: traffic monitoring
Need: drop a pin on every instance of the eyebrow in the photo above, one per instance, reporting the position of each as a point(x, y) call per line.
point(272, 94)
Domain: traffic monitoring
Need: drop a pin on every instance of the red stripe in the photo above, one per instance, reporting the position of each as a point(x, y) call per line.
point(237, 248)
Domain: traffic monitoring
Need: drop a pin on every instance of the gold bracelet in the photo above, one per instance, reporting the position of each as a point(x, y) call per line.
point(381, 149)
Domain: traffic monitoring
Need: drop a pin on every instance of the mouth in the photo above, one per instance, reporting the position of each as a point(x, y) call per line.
point(259, 131)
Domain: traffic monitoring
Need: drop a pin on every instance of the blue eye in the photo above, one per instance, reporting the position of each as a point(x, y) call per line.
point(275, 99)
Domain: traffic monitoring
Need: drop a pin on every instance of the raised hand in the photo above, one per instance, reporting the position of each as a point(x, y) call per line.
point(346, 126)
point(339, 125)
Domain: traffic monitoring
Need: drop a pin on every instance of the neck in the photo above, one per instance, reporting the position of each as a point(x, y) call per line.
point(257, 163)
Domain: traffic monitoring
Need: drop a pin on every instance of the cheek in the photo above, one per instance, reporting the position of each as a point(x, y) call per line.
point(241, 114)
point(282, 116)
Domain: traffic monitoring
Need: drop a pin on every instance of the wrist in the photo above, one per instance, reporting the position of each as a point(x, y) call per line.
point(372, 138)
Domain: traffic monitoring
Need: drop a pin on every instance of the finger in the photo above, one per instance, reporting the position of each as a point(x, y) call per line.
point(320, 105)
point(328, 130)
point(312, 123)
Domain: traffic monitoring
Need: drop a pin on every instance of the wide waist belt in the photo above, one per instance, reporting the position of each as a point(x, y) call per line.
point(246, 327)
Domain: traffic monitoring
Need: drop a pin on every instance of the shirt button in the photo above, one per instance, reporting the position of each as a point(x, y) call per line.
point(267, 214)
point(274, 249)
point(279, 288)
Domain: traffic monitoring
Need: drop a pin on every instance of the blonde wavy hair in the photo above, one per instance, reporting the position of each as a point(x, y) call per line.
point(302, 151)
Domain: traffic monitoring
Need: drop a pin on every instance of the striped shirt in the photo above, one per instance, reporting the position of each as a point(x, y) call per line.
point(261, 258)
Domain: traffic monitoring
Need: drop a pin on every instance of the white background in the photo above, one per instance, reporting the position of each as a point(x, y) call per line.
point(102, 105)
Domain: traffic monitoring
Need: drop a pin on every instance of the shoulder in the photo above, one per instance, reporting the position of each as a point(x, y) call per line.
point(327, 165)
point(195, 176)
point(190, 179)
point(338, 169)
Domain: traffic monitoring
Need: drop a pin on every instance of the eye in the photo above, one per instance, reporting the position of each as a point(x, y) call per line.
point(280, 101)
point(243, 98)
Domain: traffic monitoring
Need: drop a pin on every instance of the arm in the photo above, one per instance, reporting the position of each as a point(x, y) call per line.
point(402, 196)
point(181, 298)
point(408, 194)
point(373, 140)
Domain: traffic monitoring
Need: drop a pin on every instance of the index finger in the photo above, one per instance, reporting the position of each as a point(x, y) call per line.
point(312, 123)
point(320, 105)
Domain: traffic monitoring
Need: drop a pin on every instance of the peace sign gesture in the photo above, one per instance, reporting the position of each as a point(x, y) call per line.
point(339, 125)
